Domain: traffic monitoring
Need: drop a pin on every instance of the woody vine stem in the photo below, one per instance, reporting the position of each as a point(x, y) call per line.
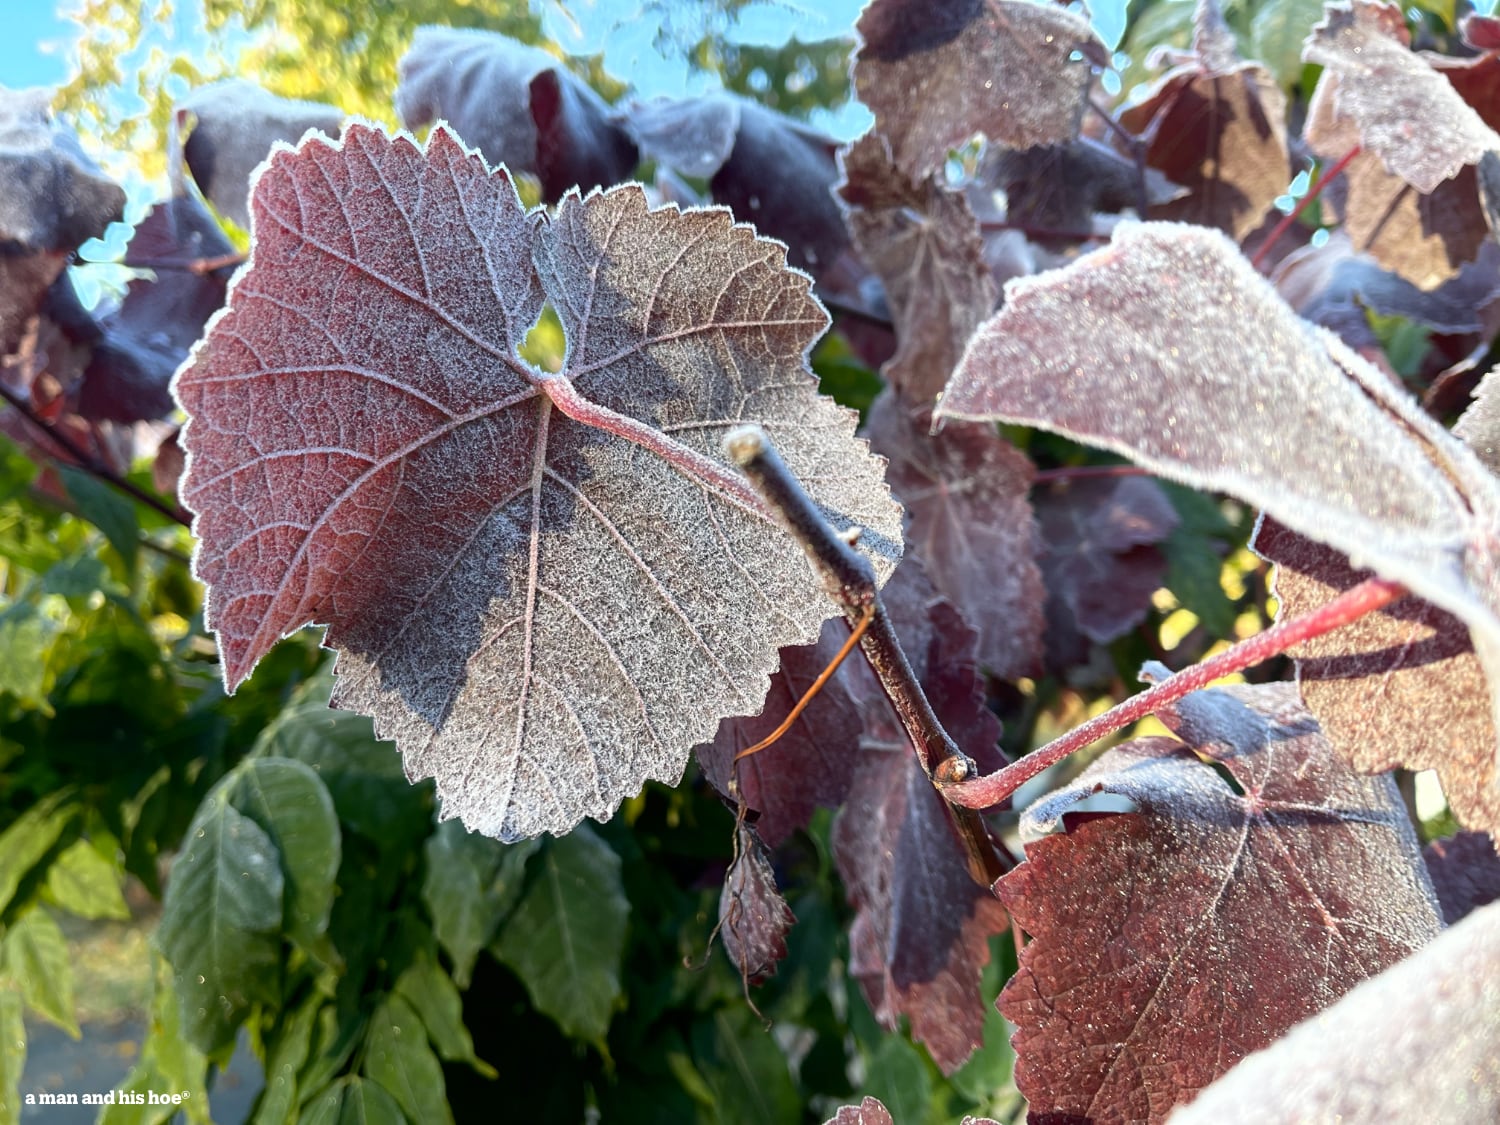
point(849, 581)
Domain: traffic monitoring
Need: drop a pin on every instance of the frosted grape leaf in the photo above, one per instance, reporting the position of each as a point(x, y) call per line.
point(1166, 346)
point(965, 491)
point(869, 1112)
point(923, 243)
point(1171, 941)
point(1216, 125)
point(1420, 1042)
point(233, 126)
point(1403, 110)
point(936, 74)
point(1465, 872)
point(1398, 687)
point(1480, 424)
point(517, 104)
point(545, 587)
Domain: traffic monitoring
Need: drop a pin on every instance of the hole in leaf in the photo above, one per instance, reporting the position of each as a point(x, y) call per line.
point(545, 346)
point(1229, 779)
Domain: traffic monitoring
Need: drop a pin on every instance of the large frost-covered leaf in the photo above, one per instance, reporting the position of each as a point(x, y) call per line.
point(1420, 1042)
point(937, 73)
point(1171, 941)
point(1168, 347)
point(515, 103)
point(546, 587)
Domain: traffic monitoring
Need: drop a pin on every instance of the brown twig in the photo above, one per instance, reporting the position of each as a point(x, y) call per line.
point(1324, 178)
point(200, 266)
point(91, 464)
point(849, 580)
point(1137, 149)
point(1368, 596)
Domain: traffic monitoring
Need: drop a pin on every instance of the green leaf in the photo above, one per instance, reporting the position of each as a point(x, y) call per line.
point(397, 1055)
point(746, 1069)
point(288, 801)
point(898, 1075)
point(433, 994)
point(26, 635)
point(76, 577)
point(286, 1053)
point(34, 955)
point(107, 510)
point(566, 937)
point(1277, 32)
point(221, 921)
point(354, 1101)
point(85, 884)
point(31, 837)
point(471, 884)
point(168, 1065)
point(12, 1057)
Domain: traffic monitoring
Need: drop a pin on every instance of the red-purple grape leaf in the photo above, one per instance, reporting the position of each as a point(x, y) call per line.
point(765, 167)
point(1168, 347)
point(922, 925)
point(545, 587)
point(1171, 941)
point(965, 493)
point(515, 103)
point(1216, 125)
point(234, 126)
point(936, 74)
point(1420, 1042)
point(1465, 873)
point(1399, 687)
point(753, 917)
point(923, 243)
point(1423, 236)
point(868, 1112)
point(810, 766)
point(1404, 111)
point(1100, 560)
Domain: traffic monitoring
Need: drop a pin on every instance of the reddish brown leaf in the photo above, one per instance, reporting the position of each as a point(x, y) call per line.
point(233, 125)
point(1172, 941)
point(1481, 32)
point(923, 243)
point(1217, 126)
point(1403, 110)
point(517, 104)
point(936, 74)
point(765, 167)
point(1423, 236)
point(1465, 872)
point(753, 917)
point(965, 492)
point(868, 1112)
point(546, 588)
point(1400, 687)
point(1420, 1042)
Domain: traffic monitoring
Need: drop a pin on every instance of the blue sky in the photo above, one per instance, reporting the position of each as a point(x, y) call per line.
point(34, 49)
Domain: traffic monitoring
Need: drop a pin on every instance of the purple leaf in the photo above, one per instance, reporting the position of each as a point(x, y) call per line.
point(515, 103)
point(923, 243)
point(868, 1112)
point(236, 125)
point(965, 492)
point(1417, 1043)
point(546, 587)
point(1171, 941)
point(936, 74)
point(753, 917)
point(1465, 872)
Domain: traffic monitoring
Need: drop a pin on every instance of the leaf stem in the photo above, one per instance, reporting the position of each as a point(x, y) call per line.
point(1368, 596)
point(1325, 177)
point(91, 464)
point(849, 580)
point(199, 266)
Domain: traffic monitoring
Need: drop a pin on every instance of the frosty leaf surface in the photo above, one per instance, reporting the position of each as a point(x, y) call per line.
point(1480, 424)
point(1171, 941)
point(545, 587)
point(924, 244)
point(1420, 1042)
point(1465, 873)
point(234, 124)
point(936, 74)
point(1405, 112)
point(1399, 687)
point(868, 1112)
point(965, 492)
point(1167, 347)
point(515, 103)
